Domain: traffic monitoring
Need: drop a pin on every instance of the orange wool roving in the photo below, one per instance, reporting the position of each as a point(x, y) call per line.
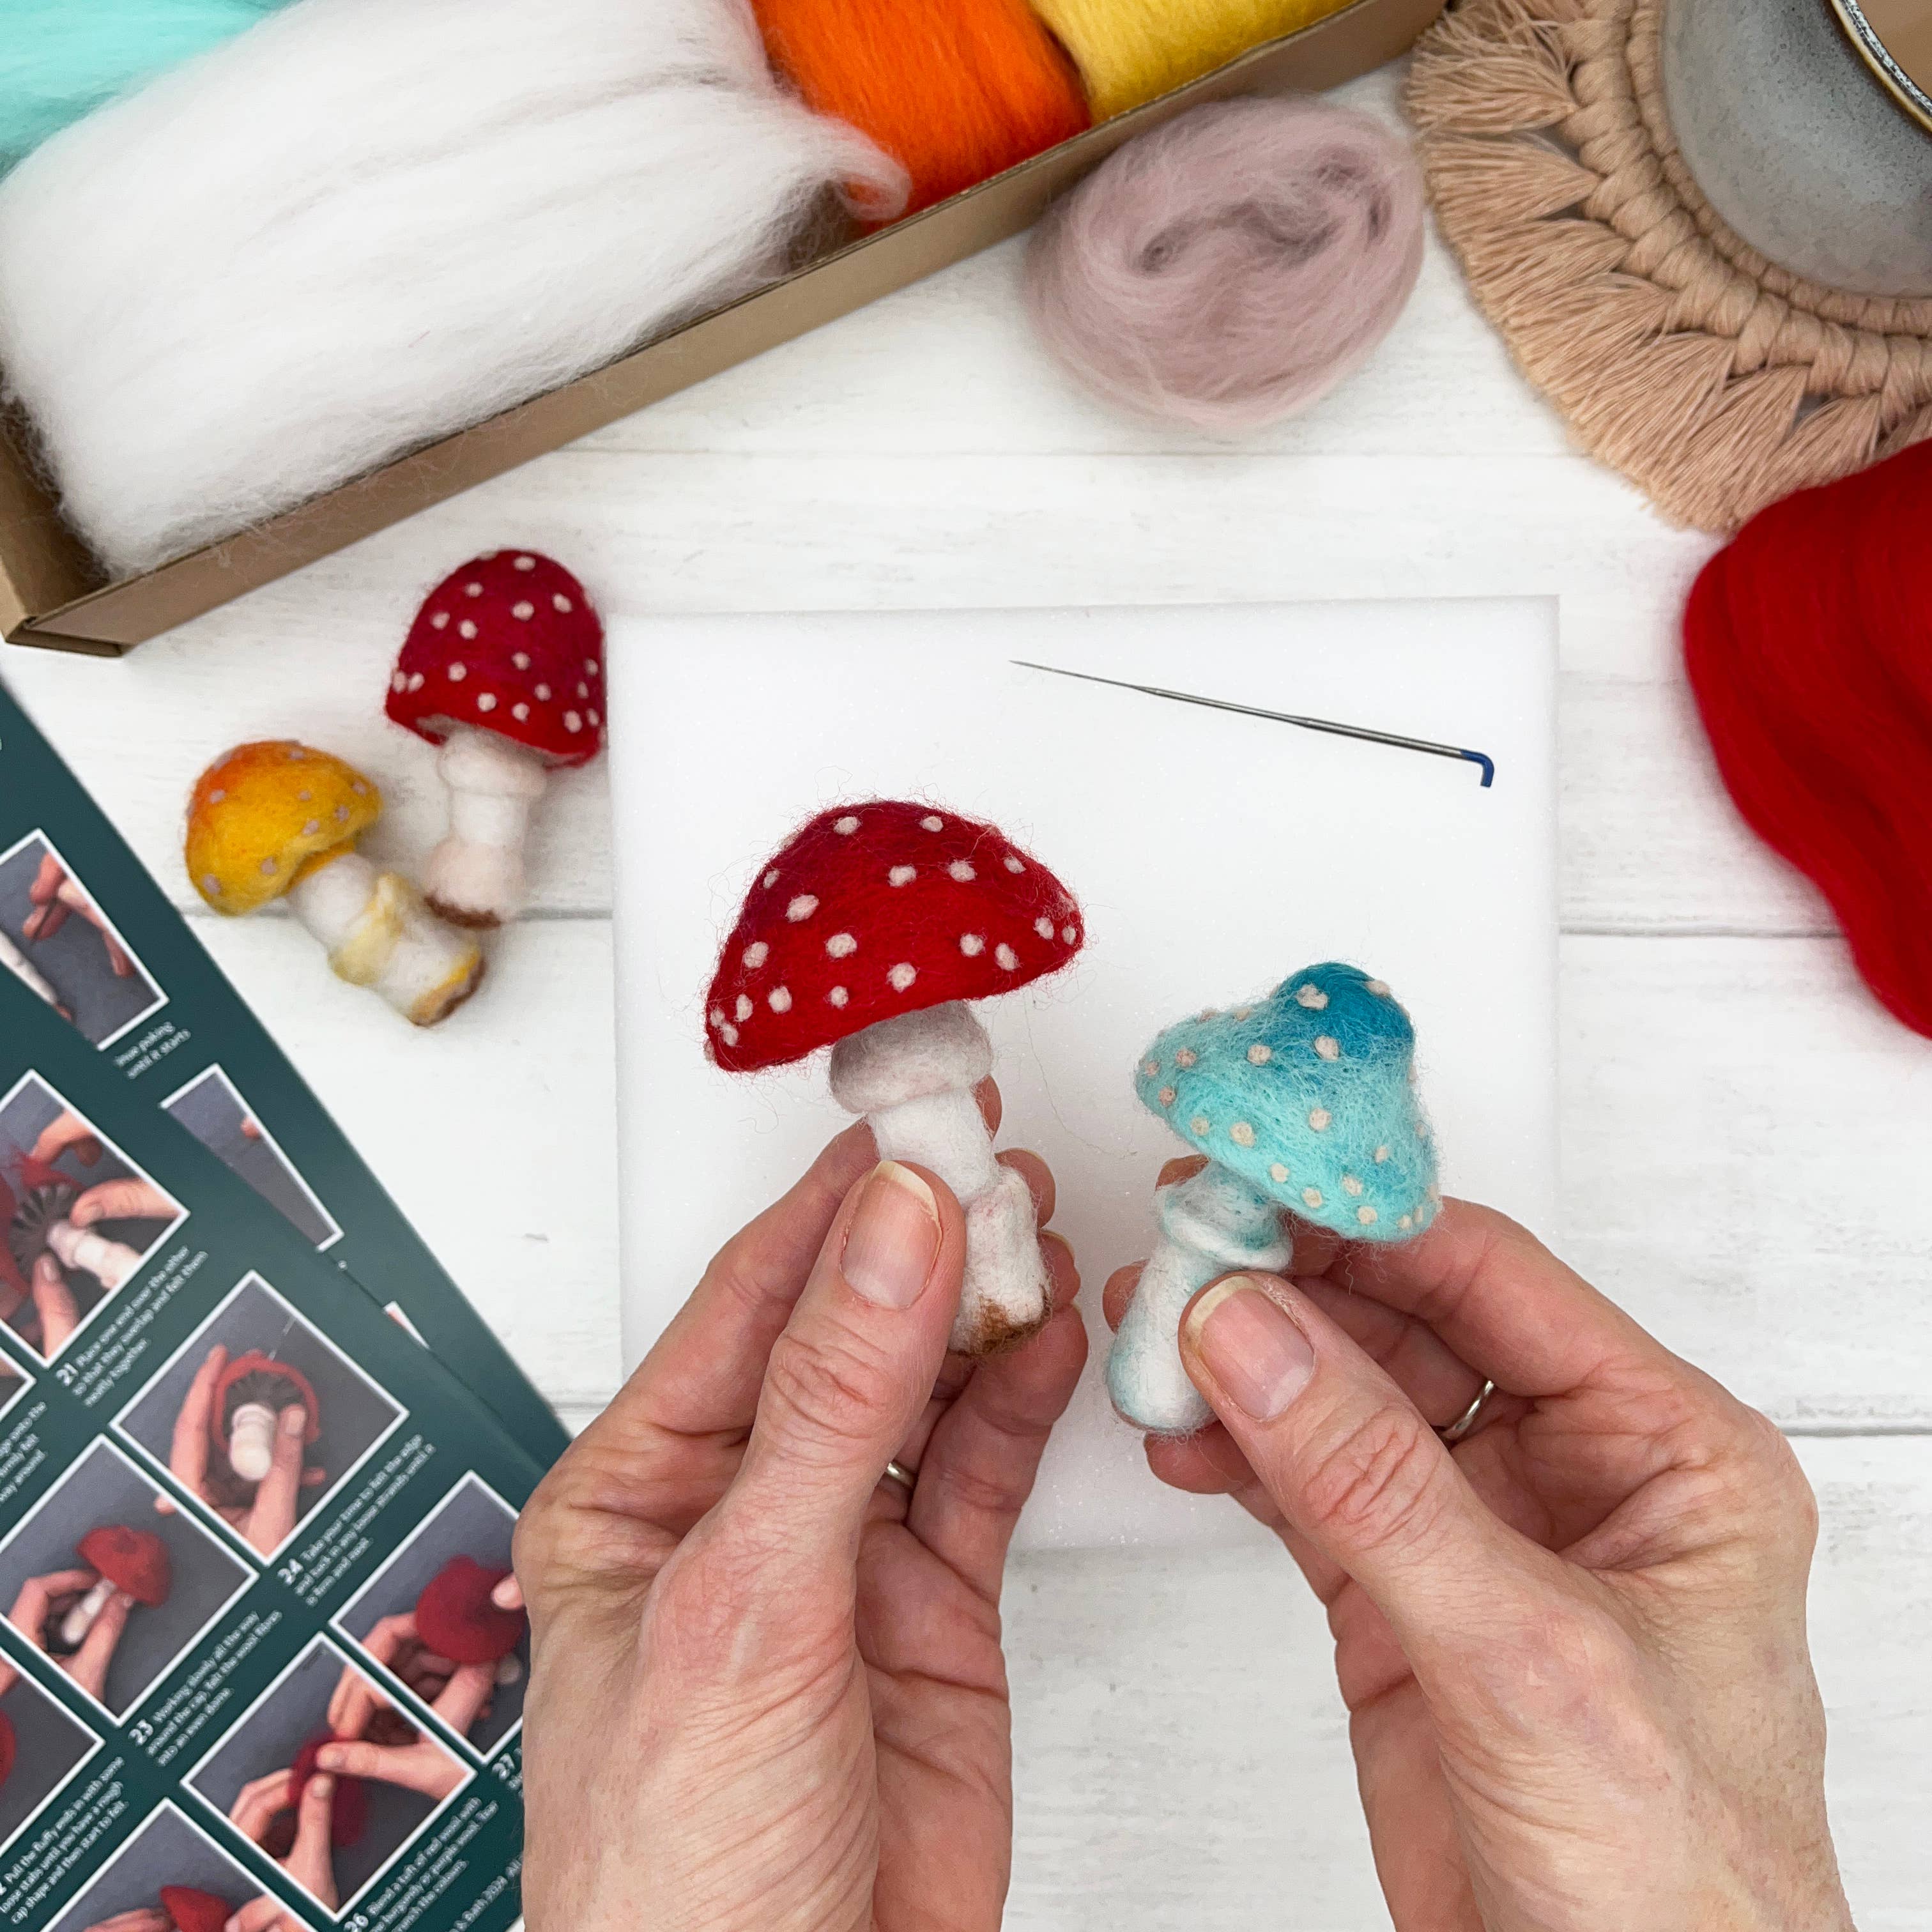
point(956, 90)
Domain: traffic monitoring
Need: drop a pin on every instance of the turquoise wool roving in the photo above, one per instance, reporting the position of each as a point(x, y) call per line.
point(60, 59)
point(1305, 1100)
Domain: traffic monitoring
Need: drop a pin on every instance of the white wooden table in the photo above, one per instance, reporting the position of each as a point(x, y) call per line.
point(1747, 1140)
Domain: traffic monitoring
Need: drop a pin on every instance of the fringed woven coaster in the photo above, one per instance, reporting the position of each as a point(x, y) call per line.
point(1715, 380)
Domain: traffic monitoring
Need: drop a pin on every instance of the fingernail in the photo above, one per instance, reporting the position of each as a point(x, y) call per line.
point(294, 1420)
point(505, 1595)
point(1256, 1352)
point(323, 1784)
point(894, 1238)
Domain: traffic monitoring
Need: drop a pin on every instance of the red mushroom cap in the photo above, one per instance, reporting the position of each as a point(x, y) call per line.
point(456, 1619)
point(509, 643)
point(9, 1746)
point(193, 1911)
point(875, 909)
point(131, 1560)
point(348, 1811)
point(254, 1363)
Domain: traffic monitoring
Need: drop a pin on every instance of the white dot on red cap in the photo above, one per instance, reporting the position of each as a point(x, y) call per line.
point(486, 700)
point(730, 1033)
point(525, 612)
point(933, 822)
point(591, 665)
point(901, 875)
point(415, 680)
point(593, 717)
point(520, 713)
point(439, 620)
point(771, 880)
point(399, 683)
point(845, 827)
point(841, 946)
point(837, 996)
point(961, 870)
point(717, 1016)
point(526, 563)
point(780, 999)
point(1259, 1055)
point(1013, 865)
point(1328, 1048)
point(1006, 956)
point(457, 673)
point(543, 693)
point(1044, 927)
point(803, 907)
point(756, 954)
point(573, 720)
point(744, 1007)
point(466, 629)
point(584, 691)
point(1067, 933)
point(902, 976)
point(972, 944)
point(472, 590)
point(1318, 1118)
point(560, 602)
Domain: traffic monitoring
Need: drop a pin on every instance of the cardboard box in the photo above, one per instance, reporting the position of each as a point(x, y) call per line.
point(53, 594)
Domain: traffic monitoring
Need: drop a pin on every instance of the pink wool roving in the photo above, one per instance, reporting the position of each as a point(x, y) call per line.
point(1232, 267)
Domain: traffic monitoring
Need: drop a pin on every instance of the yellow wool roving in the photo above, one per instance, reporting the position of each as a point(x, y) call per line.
point(1131, 51)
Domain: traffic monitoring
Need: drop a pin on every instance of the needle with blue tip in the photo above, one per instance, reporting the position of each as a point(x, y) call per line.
point(1488, 763)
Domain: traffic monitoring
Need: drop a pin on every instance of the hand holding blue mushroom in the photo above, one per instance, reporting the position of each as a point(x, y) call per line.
point(1306, 1101)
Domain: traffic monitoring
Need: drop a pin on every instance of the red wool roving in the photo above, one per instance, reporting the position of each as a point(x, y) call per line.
point(9, 1746)
point(1805, 641)
point(456, 1617)
point(349, 1809)
point(194, 1910)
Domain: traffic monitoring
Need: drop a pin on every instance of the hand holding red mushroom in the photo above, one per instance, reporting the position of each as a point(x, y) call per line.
point(503, 669)
point(867, 932)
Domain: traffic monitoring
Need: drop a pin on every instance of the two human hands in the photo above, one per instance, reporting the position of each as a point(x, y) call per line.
point(33, 1610)
point(264, 1524)
point(790, 1668)
point(310, 1862)
point(457, 1693)
point(1573, 1649)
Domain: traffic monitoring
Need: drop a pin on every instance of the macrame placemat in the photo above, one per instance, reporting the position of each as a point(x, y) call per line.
point(1715, 380)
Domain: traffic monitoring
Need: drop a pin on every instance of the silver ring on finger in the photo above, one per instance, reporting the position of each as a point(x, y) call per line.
point(896, 1471)
point(1465, 1424)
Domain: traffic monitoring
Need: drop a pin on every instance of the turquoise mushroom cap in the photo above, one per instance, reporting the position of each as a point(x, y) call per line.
point(1309, 1096)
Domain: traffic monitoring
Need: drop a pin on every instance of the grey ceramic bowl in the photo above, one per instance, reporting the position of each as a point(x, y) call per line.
point(1797, 142)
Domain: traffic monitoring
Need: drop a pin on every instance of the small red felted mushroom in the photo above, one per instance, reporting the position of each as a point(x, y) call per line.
point(194, 1911)
point(124, 1559)
point(503, 668)
point(456, 1619)
point(867, 932)
point(252, 1392)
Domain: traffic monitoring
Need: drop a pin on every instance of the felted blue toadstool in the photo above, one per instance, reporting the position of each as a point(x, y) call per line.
point(1306, 1101)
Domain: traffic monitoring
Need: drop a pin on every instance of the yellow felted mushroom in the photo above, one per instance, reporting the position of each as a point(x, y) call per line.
point(276, 819)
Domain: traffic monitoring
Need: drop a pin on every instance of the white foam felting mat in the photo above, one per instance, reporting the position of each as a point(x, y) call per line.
point(1214, 854)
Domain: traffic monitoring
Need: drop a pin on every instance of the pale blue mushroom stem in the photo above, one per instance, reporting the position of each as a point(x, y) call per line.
point(1212, 1224)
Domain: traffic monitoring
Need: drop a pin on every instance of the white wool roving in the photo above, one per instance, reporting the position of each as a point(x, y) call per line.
point(366, 224)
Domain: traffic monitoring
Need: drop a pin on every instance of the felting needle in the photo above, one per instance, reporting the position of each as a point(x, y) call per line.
point(1488, 763)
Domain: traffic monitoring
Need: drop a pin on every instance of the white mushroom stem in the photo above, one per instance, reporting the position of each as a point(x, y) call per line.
point(380, 934)
point(912, 1078)
point(475, 876)
point(251, 1441)
point(81, 1249)
point(79, 1620)
point(24, 971)
point(1212, 1224)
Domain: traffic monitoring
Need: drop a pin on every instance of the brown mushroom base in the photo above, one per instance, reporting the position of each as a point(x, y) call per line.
point(914, 1078)
point(475, 877)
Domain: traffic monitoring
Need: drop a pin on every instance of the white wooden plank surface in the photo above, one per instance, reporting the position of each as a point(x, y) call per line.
point(1745, 1139)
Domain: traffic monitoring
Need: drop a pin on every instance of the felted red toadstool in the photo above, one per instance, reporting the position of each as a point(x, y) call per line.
point(131, 1560)
point(249, 1397)
point(456, 1619)
point(867, 932)
point(503, 668)
point(195, 1911)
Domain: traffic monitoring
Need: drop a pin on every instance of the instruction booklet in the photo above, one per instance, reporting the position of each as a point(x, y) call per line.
point(245, 1515)
point(86, 929)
